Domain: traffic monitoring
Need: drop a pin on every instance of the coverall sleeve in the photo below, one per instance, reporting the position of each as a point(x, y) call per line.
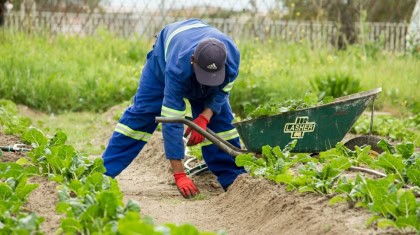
point(173, 106)
point(221, 95)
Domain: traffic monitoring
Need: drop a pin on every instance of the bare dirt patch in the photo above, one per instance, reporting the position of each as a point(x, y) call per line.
point(10, 140)
point(43, 201)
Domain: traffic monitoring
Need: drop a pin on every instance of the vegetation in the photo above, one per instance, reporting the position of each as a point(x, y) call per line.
point(91, 202)
point(98, 72)
point(391, 199)
point(268, 109)
point(396, 129)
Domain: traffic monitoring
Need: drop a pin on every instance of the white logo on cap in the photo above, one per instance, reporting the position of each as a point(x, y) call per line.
point(212, 66)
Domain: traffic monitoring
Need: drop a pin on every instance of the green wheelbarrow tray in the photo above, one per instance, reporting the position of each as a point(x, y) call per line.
point(317, 128)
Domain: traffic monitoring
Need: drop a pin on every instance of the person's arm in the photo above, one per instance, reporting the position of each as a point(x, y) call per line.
point(208, 113)
point(173, 105)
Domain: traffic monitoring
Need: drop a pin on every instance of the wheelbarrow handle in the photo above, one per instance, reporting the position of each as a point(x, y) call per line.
point(209, 134)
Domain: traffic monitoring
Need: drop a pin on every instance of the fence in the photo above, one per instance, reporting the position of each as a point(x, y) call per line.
point(254, 22)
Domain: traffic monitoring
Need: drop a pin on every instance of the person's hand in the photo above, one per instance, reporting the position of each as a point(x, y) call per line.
point(196, 137)
point(185, 185)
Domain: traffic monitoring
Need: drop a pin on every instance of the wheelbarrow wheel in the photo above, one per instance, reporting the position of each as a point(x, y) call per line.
point(364, 140)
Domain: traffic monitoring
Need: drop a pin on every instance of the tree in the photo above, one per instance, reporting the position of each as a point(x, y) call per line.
point(413, 34)
point(345, 13)
point(377, 10)
point(2, 11)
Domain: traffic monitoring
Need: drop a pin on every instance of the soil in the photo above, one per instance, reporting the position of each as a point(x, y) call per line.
point(250, 206)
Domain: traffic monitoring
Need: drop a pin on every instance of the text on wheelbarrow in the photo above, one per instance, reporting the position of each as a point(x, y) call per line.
point(299, 127)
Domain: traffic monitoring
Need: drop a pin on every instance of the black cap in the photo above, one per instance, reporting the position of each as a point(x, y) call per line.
point(209, 62)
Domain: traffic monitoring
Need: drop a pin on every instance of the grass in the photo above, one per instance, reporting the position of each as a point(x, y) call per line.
point(88, 132)
point(57, 74)
point(64, 73)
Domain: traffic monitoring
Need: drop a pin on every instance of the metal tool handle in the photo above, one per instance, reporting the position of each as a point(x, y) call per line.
point(209, 134)
point(15, 148)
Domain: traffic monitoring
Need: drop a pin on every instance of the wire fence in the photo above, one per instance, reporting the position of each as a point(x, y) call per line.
point(248, 19)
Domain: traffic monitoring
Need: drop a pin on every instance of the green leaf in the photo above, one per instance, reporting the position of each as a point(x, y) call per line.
point(77, 187)
point(386, 223)
point(306, 189)
point(362, 155)
point(414, 176)
point(277, 151)
point(59, 139)
point(286, 178)
point(30, 222)
point(328, 99)
point(98, 166)
point(131, 224)
point(35, 136)
point(71, 226)
point(91, 214)
point(337, 199)
point(23, 161)
point(62, 207)
point(5, 191)
point(386, 146)
point(405, 149)
point(108, 203)
point(372, 219)
point(392, 164)
point(185, 229)
point(406, 203)
point(311, 99)
point(290, 146)
point(340, 163)
point(132, 206)
point(22, 191)
point(270, 158)
point(98, 182)
point(56, 178)
point(408, 221)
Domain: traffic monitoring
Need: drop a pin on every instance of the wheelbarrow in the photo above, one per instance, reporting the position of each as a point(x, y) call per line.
point(317, 128)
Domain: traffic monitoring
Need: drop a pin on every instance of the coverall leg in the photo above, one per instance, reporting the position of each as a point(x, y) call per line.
point(137, 123)
point(218, 161)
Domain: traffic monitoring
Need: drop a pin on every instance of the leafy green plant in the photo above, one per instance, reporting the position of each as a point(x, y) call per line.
point(391, 204)
point(91, 201)
point(335, 85)
point(273, 163)
point(10, 120)
point(407, 129)
point(14, 191)
point(267, 109)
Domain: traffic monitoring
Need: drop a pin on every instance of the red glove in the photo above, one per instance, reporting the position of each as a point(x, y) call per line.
point(196, 137)
point(185, 185)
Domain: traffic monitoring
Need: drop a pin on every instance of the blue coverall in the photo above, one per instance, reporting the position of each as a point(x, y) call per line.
point(167, 78)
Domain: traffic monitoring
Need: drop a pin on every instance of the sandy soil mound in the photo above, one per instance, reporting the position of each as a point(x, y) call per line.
point(257, 206)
